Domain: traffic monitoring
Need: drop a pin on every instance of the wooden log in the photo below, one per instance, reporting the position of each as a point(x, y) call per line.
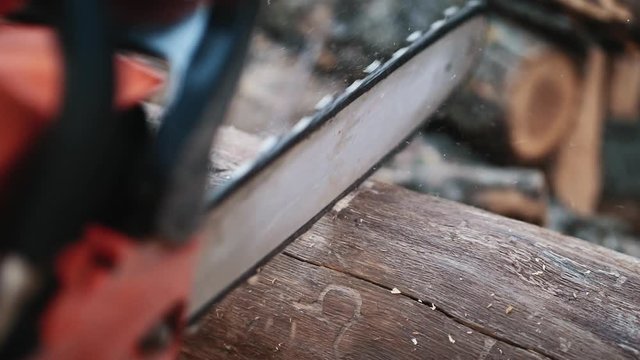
point(576, 176)
point(521, 99)
point(392, 274)
point(387, 266)
point(624, 86)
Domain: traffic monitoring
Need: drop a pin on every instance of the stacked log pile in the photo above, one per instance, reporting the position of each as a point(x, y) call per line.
point(538, 108)
point(544, 130)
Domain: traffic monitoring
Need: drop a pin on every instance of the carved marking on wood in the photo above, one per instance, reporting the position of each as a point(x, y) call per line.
point(317, 307)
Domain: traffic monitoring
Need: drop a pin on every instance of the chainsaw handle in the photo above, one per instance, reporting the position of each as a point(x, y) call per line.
point(179, 158)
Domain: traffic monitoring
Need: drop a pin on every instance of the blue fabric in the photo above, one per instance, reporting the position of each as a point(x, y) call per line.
point(177, 43)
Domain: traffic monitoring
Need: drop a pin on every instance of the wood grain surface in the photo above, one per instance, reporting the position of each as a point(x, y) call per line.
point(391, 274)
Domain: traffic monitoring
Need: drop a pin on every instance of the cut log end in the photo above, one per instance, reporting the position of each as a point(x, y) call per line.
point(541, 109)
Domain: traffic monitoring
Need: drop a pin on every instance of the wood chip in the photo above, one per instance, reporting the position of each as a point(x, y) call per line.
point(469, 332)
point(254, 280)
point(420, 301)
point(544, 268)
point(414, 341)
point(396, 291)
point(490, 305)
point(433, 306)
point(508, 310)
point(574, 295)
point(451, 340)
point(537, 273)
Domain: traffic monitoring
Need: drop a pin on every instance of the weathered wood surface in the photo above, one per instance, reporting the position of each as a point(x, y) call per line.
point(500, 289)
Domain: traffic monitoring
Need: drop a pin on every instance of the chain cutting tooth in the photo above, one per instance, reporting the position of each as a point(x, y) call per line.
point(301, 125)
point(322, 103)
point(354, 86)
point(450, 11)
point(414, 36)
point(375, 64)
point(437, 24)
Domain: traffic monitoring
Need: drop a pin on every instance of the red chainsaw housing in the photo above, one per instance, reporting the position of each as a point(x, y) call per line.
point(113, 291)
point(31, 88)
point(9, 6)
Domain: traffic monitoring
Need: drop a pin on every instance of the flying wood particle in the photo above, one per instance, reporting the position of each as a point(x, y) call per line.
point(490, 305)
point(469, 332)
point(574, 295)
point(396, 291)
point(508, 310)
point(414, 341)
point(536, 273)
point(420, 301)
point(433, 306)
point(451, 340)
point(544, 268)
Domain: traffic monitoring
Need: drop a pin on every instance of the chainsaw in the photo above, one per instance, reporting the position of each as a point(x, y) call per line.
point(111, 244)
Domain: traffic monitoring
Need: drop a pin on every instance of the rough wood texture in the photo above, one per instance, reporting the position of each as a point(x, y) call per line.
point(577, 176)
point(524, 90)
point(498, 289)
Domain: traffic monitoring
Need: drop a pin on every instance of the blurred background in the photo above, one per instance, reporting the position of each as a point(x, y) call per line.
point(545, 129)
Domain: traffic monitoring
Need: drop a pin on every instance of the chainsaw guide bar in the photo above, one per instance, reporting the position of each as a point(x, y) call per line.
point(271, 201)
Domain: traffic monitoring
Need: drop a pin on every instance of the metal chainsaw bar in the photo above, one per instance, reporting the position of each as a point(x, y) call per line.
point(286, 188)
